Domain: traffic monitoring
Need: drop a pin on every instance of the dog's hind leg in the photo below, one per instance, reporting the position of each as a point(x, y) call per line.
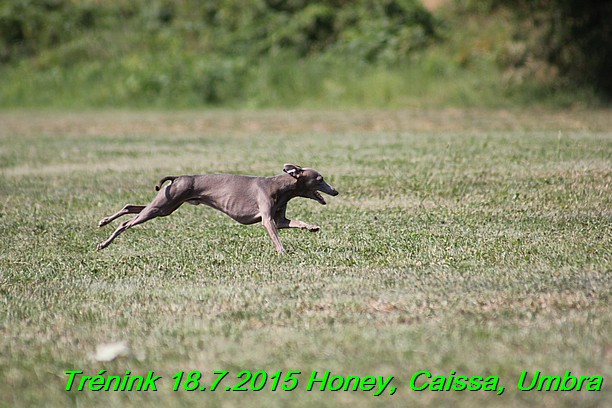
point(145, 215)
point(165, 203)
point(128, 209)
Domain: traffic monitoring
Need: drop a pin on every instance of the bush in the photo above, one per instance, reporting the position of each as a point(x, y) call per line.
point(160, 52)
point(253, 28)
point(561, 42)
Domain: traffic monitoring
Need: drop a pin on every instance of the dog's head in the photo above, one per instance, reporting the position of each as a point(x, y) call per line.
point(310, 182)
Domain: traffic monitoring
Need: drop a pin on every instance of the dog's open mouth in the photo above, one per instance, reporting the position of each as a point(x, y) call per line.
point(318, 197)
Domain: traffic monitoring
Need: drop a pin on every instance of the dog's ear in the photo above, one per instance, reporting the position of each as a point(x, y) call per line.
point(292, 170)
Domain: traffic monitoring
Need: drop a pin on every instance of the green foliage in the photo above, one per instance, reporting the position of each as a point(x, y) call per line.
point(559, 42)
point(260, 53)
point(190, 53)
point(252, 28)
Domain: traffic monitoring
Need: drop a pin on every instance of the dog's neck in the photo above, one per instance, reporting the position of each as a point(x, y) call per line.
point(286, 188)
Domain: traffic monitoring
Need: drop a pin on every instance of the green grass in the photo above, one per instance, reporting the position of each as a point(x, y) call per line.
point(468, 240)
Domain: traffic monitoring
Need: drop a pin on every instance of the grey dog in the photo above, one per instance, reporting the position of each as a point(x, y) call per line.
point(246, 199)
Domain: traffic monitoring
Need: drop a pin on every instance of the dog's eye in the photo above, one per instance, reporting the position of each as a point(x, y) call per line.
point(319, 178)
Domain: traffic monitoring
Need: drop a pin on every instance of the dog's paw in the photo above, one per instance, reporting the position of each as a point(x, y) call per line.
point(313, 228)
point(100, 246)
point(103, 222)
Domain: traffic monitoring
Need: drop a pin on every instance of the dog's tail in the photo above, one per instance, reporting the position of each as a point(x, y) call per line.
point(162, 181)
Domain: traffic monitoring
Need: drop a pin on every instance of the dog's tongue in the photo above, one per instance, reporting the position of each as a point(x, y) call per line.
point(319, 198)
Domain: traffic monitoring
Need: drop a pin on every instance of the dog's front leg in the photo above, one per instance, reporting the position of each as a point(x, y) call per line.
point(270, 226)
point(297, 224)
point(282, 222)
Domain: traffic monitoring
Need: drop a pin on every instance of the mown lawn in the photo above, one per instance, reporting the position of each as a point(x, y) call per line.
point(470, 241)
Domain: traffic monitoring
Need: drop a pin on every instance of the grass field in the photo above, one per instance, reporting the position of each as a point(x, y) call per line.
point(472, 241)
